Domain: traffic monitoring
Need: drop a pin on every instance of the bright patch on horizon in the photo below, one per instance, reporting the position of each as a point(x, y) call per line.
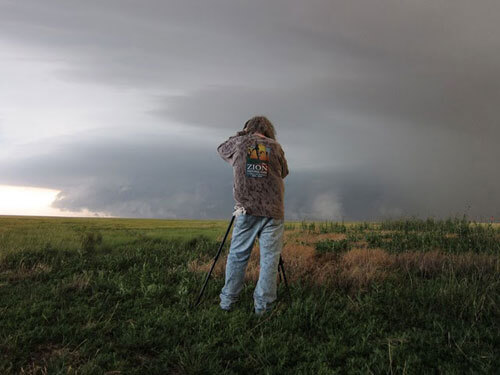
point(26, 200)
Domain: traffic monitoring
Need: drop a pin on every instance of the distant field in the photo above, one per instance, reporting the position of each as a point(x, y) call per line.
point(113, 296)
point(32, 233)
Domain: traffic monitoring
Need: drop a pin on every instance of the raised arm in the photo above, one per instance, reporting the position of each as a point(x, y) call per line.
point(227, 149)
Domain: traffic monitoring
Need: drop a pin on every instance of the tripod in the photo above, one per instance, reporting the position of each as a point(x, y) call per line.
point(281, 267)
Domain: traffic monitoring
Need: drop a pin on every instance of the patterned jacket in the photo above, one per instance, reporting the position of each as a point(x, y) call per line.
point(259, 167)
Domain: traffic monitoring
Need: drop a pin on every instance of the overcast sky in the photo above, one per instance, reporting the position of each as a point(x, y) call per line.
point(384, 108)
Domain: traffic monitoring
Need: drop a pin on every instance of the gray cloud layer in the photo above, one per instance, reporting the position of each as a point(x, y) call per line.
point(384, 108)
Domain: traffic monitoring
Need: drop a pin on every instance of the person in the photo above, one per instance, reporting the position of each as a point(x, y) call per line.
point(259, 167)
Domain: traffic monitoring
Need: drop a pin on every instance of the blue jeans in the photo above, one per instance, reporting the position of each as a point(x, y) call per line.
point(270, 233)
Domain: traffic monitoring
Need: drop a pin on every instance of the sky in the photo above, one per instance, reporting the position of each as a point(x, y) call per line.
point(384, 109)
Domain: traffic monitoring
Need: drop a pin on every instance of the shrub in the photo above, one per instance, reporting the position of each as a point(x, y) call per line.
point(90, 240)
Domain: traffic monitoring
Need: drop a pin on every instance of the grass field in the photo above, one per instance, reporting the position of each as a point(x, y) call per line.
point(113, 296)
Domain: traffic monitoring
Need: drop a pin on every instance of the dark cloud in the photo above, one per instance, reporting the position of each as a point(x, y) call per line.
point(384, 108)
point(142, 178)
point(170, 179)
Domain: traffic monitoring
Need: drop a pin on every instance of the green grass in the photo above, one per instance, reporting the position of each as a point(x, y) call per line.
point(123, 304)
point(477, 238)
point(38, 233)
point(327, 246)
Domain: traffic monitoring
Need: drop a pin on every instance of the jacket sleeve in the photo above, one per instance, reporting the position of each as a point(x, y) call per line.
point(227, 149)
point(284, 165)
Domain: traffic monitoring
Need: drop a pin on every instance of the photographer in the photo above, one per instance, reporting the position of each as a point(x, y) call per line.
point(259, 166)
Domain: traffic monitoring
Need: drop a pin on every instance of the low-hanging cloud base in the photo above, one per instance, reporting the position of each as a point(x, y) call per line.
point(384, 109)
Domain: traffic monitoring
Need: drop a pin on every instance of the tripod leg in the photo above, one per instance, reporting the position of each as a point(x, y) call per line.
point(281, 265)
point(279, 272)
point(213, 264)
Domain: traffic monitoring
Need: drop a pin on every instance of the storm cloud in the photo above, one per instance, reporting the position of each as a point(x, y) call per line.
point(383, 108)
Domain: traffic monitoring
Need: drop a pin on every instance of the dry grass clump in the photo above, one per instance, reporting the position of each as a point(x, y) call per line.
point(354, 269)
point(23, 272)
point(434, 262)
point(44, 354)
point(426, 263)
point(251, 274)
point(78, 282)
point(362, 244)
point(360, 267)
point(469, 262)
point(34, 369)
point(299, 262)
point(203, 266)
